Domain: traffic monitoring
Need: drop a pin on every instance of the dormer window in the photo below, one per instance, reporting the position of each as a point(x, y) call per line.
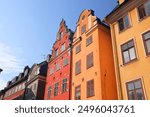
point(26, 72)
point(37, 71)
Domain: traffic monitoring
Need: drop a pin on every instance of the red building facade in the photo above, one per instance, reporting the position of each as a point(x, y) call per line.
point(59, 72)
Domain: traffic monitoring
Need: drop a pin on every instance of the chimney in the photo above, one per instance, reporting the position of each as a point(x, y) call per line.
point(120, 1)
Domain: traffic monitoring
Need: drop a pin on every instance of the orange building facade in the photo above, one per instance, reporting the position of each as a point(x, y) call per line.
point(93, 74)
point(130, 31)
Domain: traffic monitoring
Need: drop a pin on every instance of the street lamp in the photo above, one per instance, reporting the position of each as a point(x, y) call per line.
point(1, 70)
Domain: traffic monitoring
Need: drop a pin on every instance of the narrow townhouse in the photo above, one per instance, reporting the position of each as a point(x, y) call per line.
point(59, 67)
point(93, 74)
point(130, 31)
point(35, 85)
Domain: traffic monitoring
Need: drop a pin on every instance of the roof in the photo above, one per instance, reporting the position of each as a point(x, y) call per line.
point(117, 7)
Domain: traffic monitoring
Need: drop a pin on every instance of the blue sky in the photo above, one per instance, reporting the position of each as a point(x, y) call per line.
point(28, 29)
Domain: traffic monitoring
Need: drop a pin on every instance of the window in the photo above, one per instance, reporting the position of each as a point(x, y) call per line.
point(90, 88)
point(56, 52)
point(89, 41)
point(78, 48)
point(20, 87)
point(124, 23)
point(146, 40)
point(83, 17)
point(23, 85)
point(61, 35)
point(56, 89)
point(89, 60)
point(57, 66)
point(31, 88)
point(49, 92)
point(66, 62)
point(128, 51)
point(135, 90)
point(34, 86)
point(144, 10)
point(62, 47)
point(64, 86)
point(51, 71)
point(83, 29)
point(78, 67)
point(78, 93)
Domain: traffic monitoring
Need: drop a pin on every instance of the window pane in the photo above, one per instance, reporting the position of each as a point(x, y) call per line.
point(131, 95)
point(78, 48)
point(147, 8)
point(126, 21)
point(139, 94)
point(147, 36)
point(131, 44)
point(142, 12)
point(130, 86)
point(66, 62)
point(126, 56)
point(148, 45)
point(63, 47)
point(51, 71)
point(83, 29)
point(56, 52)
point(57, 67)
point(89, 41)
point(78, 67)
point(89, 60)
point(124, 47)
point(137, 84)
point(121, 25)
point(77, 93)
point(132, 53)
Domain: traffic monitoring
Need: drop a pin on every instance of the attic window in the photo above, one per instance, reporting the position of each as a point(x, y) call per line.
point(61, 35)
point(83, 29)
point(83, 17)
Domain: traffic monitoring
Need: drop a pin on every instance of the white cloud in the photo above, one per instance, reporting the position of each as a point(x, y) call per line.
point(8, 61)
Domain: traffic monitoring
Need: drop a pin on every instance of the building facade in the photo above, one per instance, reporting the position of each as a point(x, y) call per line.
point(35, 85)
point(93, 75)
point(59, 68)
point(130, 30)
point(15, 88)
point(2, 94)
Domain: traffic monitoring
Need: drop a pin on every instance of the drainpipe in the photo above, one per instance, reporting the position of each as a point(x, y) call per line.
point(116, 62)
point(70, 80)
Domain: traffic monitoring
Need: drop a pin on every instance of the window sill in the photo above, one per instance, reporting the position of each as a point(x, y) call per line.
point(125, 29)
point(140, 20)
point(147, 55)
point(90, 96)
point(78, 52)
point(77, 74)
point(65, 65)
point(89, 67)
point(130, 62)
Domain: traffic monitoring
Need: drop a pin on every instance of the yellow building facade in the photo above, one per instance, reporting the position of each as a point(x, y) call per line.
point(130, 31)
point(93, 75)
